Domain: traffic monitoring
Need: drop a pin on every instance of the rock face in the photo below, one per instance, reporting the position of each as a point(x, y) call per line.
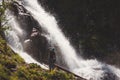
point(96, 26)
point(34, 43)
point(37, 46)
point(33, 40)
point(25, 20)
point(109, 76)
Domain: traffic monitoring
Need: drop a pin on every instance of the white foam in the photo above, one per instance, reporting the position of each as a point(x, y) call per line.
point(15, 44)
point(89, 69)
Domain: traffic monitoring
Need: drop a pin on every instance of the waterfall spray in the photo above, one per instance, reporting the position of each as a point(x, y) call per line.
point(89, 69)
point(14, 41)
point(49, 23)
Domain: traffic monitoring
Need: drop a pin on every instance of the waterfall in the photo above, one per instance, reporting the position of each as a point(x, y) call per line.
point(89, 69)
point(14, 41)
point(49, 24)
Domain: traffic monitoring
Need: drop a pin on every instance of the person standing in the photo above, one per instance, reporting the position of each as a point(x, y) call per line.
point(52, 59)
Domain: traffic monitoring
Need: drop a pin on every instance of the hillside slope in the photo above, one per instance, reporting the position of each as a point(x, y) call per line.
point(13, 67)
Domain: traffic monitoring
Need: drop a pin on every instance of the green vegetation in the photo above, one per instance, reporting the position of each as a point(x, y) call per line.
point(13, 67)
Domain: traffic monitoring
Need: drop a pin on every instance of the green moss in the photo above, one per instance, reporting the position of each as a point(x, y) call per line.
point(4, 73)
point(13, 67)
point(59, 75)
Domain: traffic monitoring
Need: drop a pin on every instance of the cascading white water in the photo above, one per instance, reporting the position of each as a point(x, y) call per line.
point(89, 69)
point(14, 41)
point(49, 23)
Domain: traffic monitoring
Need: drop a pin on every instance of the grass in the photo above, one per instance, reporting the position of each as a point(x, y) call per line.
point(13, 67)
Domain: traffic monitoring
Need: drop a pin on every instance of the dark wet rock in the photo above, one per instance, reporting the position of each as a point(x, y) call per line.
point(11, 66)
point(33, 41)
point(37, 46)
point(110, 76)
point(25, 20)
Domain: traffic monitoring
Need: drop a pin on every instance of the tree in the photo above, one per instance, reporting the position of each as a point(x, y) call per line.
point(3, 7)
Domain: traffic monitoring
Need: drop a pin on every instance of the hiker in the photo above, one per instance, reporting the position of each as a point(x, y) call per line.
point(52, 59)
